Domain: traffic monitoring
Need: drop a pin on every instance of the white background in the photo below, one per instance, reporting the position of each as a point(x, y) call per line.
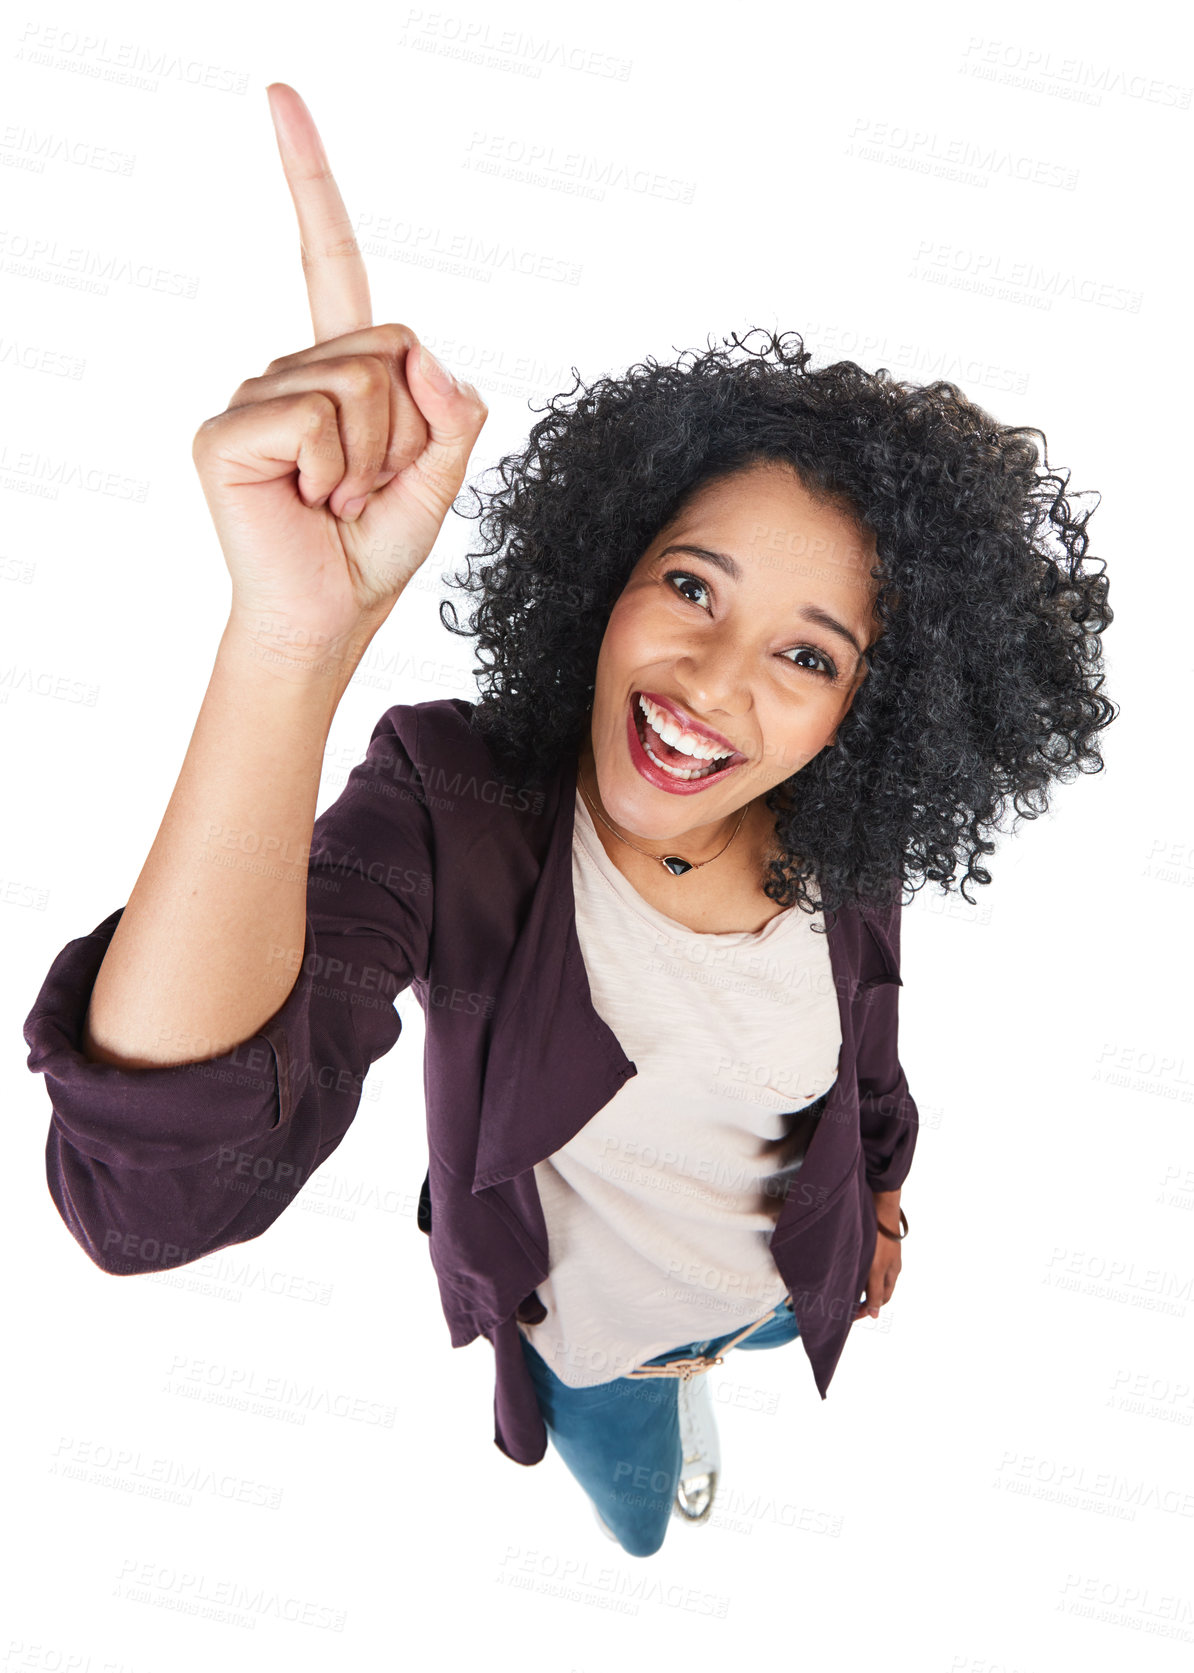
point(1002, 1476)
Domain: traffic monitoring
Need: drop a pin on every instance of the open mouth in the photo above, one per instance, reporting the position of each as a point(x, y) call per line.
point(668, 765)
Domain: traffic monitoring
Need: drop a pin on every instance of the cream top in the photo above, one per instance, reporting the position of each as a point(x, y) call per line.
point(658, 1219)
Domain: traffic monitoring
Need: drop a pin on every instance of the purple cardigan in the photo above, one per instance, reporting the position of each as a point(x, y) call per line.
point(431, 871)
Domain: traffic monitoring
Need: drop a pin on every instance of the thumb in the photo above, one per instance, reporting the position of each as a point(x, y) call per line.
point(453, 411)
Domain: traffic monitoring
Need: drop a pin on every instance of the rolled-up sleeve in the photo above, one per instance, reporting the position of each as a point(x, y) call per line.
point(887, 1110)
point(151, 1168)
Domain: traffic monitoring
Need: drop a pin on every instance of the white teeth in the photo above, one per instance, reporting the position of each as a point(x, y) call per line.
point(662, 723)
point(672, 733)
point(679, 772)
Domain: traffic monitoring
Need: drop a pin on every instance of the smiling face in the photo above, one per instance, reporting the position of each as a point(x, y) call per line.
point(745, 617)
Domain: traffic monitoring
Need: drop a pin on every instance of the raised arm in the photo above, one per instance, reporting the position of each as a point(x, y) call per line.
point(206, 949)
point(204, 1047)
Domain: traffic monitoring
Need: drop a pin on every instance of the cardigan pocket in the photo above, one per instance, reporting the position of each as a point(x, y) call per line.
point(782, 1234)
point(423, 1213)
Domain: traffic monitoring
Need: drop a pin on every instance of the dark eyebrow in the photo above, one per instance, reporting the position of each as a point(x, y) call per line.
point(730, 567)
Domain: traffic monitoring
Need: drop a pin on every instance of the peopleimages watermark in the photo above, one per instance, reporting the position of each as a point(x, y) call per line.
point(1147, 1394)
point(1143, 1069)
point(156, 1476)
point(960, 365)
point(952, 156)
point(14, 892)
point(1156, 1289)
point(29, 256)
point(31, 357)
point(1177, 1187)
point(1104, 1491)
point(40, 683)
point(582, 1582)
point(461, 250)
point(1037, 69)
point(538, 162)
point(25, 1656)
point(1128, 1604)
point(1171, 860)
point(209, 1596)
point(475, 40)
point(128, 63)
point(496, 369)
point(27, 467)
point(1030, 283)
point(247, 1388)
point(30, 149)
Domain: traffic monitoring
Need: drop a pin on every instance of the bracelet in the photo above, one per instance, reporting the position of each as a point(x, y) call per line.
point(896, 1237)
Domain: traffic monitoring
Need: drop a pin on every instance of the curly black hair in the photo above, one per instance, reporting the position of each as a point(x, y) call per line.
point(984, 684)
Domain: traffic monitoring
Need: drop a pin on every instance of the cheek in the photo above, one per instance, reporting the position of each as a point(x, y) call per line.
point(627, 639)
point(792, 737)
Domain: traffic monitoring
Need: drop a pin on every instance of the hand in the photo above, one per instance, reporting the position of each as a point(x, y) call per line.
point(886, 1262)
point(356, 417)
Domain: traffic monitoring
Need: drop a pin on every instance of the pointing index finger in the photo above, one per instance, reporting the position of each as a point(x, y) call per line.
point(337, 284)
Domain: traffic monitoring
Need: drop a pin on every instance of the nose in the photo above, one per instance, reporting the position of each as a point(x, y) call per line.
point(715, 679)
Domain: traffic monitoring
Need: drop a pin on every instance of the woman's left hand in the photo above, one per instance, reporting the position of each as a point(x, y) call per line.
point(885, 1266)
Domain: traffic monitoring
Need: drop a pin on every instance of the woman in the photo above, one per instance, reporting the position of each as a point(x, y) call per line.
point(763, 645)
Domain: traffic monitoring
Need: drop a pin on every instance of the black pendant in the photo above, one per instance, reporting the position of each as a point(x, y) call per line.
point(676, 865)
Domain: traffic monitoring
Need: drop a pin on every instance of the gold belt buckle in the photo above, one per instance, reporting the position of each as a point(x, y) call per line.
point(687, 1368)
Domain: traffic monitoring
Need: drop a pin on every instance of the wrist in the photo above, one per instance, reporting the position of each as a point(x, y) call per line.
point(297, 658)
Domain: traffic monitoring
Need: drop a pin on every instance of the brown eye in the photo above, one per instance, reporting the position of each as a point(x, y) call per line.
point(683, 575)
point(827, 669)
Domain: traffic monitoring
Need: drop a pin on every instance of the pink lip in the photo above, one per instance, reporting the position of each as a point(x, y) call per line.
point(656, 775)
point(689, 724)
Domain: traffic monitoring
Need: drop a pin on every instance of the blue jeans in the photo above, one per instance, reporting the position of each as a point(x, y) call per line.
point(621, 1439)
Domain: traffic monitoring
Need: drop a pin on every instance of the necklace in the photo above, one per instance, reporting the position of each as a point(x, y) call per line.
point(670, 862)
